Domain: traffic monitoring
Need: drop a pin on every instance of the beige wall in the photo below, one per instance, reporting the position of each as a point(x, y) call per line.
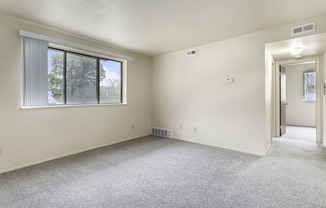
point(269, 102)
point(191, 91)
point(324, 98)
point(298, 112)
point(32, 135)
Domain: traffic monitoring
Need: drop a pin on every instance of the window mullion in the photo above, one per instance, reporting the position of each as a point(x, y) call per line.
point(121, 82)
point(65, 77)
point(98, 71)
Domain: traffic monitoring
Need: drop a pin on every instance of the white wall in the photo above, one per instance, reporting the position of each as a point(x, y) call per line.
point(298, 112)
point(191, 91)
point(184, 91)
point(29, 136)
point(269, 102)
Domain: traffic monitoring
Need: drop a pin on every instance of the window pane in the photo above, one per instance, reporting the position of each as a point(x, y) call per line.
point(110, 81)
point(81, 79)
point(309, 87)
point(55, 77)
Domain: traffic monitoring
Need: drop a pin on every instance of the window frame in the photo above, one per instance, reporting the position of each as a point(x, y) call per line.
point(304, 99)
point(98, 58)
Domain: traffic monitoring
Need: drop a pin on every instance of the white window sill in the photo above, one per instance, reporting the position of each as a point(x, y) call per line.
point(71, 106)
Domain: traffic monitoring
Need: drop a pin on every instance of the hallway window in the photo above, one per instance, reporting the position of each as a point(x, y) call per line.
point(309, 86)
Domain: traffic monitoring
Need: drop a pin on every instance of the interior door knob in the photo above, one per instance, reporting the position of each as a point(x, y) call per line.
point(286, 103)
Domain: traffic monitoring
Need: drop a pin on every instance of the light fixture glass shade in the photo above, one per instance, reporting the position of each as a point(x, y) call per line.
point(296, 51)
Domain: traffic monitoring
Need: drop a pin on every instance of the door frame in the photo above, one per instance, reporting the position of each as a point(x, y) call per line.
point(283, 101)
point(319, 95)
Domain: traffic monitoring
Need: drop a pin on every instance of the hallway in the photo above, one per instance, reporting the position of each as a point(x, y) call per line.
point(299, 143)
point(300, 134)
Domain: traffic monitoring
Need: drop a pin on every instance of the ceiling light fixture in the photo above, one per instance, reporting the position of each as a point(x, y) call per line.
point(296, 51)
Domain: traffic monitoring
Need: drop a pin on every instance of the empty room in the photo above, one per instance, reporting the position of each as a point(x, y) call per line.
point(121, 103)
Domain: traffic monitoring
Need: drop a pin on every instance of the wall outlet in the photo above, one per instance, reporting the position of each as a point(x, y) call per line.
point(1, 151)
point(133, 127)
point(181, 126)
point(194, 129)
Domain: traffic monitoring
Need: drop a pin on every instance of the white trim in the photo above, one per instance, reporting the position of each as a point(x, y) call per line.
point(71, 106)
point(223, 147)
point(25, 33)
point(319, 95)
point(67, 154)
point(269, 146)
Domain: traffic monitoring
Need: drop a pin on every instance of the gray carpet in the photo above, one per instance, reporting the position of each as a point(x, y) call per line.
point(157, 172)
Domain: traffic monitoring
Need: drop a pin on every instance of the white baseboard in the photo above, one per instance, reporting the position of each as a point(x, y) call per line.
point(299, 125)
point(223, 147)
point(67, 154)
point(269, 146)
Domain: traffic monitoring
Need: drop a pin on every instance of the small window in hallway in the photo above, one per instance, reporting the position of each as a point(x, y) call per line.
point(309, 86)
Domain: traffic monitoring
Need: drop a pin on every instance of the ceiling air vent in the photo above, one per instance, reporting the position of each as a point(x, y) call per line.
point(191, 52)
point(303, 29)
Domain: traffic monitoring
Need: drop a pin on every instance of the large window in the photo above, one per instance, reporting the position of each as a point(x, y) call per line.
point(55, 75)
point(81, 79)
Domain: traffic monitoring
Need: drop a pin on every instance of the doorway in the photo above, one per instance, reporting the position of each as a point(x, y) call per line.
point(298, 101)
point(312, 48)
point(296, 105)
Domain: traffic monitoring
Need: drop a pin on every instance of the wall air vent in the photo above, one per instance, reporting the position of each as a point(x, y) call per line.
point(303, 29)
point(191, 52)
point(162, 132)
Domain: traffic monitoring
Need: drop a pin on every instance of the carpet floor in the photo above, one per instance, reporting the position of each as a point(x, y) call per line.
point(157, 172)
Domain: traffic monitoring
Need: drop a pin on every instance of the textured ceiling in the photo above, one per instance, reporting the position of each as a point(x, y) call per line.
point(155, 27)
